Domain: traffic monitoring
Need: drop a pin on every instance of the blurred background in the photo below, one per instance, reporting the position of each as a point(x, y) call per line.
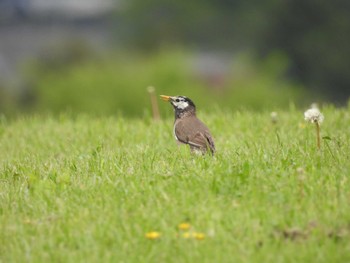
point(99, 56)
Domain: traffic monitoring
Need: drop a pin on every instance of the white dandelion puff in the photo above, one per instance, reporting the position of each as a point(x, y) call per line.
point(274, 117)
point(313, 115)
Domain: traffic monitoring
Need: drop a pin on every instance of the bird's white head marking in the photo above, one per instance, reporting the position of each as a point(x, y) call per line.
point(180, 102)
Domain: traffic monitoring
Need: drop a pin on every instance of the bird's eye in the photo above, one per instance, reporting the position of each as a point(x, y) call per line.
point(177, 100)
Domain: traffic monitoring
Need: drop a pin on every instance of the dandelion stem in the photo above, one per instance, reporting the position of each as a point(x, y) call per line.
point(318, 135)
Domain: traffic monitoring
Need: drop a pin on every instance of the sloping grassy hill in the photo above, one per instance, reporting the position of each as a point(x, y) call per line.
point(83, 189)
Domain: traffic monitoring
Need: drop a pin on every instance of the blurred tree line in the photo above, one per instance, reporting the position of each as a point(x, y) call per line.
point(314, 34)
point(244, 54)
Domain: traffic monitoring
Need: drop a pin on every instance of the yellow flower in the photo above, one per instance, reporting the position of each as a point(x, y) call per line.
point(184, 226)
point(301, 125)
point(199, 236)
point(27, 221)
point(153, 235)
point(186, 235)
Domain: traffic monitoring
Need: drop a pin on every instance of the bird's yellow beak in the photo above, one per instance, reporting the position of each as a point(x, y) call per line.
point(165, 98)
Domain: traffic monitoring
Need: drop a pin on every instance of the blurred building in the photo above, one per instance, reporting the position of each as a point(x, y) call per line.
point(64, 9)
point(29, 27)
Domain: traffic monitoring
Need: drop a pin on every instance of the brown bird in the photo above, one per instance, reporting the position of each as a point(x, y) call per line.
point(188, 129)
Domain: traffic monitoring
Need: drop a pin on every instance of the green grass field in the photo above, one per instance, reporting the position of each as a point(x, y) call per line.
point(84, 189)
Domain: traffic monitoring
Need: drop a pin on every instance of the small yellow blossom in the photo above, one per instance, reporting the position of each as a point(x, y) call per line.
point(186, 235)
point(199, 236)
point(235, 203)
point(193, 235)
point(27, 221)
point(301, 125)
point(184, 226)
point(153, 235)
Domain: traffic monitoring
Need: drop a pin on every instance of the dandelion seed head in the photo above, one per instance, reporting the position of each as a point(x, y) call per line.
point(150, 89)
point(313, 115)
point(314, 105)
point(274, 117)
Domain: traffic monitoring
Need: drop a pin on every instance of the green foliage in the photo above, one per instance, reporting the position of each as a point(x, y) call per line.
point(88, 189)
point(313, 34)
point(118, 85)
point(153, 23)
point(5, 100)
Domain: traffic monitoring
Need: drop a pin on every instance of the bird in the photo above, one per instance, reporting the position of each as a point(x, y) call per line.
point(188, 129)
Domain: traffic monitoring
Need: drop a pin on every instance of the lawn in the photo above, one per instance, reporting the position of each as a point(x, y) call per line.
point(88, 189)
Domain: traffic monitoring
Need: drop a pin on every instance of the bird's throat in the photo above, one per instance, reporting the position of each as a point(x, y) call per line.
point(182, 113)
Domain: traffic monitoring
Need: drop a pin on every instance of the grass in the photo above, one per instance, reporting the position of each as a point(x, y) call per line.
point(84, 189)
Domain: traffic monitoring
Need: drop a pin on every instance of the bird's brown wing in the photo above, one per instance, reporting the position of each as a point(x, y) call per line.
point(204, 140)
point(195, 133)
